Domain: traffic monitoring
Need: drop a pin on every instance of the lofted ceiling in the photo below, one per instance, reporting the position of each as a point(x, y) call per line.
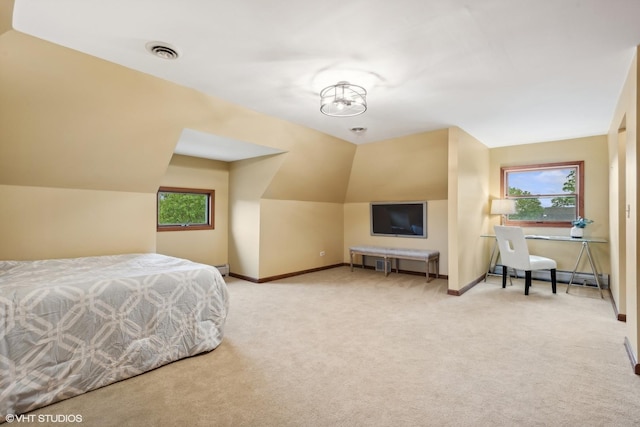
point(506, 71)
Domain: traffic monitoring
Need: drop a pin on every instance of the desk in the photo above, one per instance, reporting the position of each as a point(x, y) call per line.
point(584, 241)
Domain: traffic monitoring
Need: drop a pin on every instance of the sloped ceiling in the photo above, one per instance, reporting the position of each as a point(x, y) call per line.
point(74, 121)
point(70, 120)
point(414, 167)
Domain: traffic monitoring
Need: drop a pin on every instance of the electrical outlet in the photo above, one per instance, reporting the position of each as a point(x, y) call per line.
point(322, 253)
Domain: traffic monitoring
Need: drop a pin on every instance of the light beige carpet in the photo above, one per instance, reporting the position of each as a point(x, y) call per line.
point(336, 348)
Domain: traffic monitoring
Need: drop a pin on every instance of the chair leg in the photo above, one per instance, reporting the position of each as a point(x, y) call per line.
point(553, 280)
point(527, 281)
point(504, 276)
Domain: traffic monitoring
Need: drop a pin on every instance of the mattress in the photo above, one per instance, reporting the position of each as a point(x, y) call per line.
point(68, 326)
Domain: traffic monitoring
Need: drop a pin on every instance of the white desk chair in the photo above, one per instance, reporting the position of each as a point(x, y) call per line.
point(514, 253)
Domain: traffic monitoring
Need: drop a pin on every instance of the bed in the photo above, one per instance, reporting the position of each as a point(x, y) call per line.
point(68, 326)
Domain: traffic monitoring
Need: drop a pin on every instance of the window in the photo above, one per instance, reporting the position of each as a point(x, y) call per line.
point(547, 195)
point(185, 209)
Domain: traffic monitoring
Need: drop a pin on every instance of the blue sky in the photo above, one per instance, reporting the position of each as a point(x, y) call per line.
point(540, 182)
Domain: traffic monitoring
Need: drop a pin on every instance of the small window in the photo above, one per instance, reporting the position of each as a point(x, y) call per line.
point(182, 209)
point(547, 195)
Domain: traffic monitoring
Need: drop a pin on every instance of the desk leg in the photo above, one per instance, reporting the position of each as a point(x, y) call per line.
point(351, 259)
point(575, 268)
point(386, 272)
point(493, 253)
point(491, 264)
point(585, 245)
point(593, 268)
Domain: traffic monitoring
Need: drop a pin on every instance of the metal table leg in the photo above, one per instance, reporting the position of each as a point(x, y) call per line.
point(585, 246)
point(496, 254)
point(351, 259)
point(593, 268)
point(493, 253)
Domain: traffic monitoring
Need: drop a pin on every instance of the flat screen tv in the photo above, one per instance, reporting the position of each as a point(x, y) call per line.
point(399, 219)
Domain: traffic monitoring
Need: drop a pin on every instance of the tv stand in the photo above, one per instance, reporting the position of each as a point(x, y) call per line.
point(429, 256)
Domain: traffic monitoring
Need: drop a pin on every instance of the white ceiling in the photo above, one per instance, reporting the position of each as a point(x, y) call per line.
point(506, 71)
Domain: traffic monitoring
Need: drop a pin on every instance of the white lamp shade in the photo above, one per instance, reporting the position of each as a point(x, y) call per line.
point(503, 206)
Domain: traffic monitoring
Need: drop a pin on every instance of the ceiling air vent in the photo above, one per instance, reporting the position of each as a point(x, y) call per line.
point(162, 50)
point(358, 130)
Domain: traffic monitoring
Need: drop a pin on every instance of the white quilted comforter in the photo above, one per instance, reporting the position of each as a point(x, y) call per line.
point(68, 326)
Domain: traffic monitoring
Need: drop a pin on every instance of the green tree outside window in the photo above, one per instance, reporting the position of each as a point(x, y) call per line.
point(182, 209)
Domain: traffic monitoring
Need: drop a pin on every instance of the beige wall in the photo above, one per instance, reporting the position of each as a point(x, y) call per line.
point(315, 168)
point(408, 168)
point(468, 197)
point(625, 228)
point(411, 168)
point(593, 150)
point(293, 233)
point(84, 144)
point(273, 198)
point(357, 231)
point(308, 185)
point(244, 249)
point(270, 237)
point(617, 217)
point(248, 180)
point(205, 246)
point(80, 122)
point(39, 222)
point(84, 123)
point(6, 15)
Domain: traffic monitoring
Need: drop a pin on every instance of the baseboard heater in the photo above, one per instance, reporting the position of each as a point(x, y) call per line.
point(581, 278)
point(223, 269)
point(405, 265)
point(380, 265)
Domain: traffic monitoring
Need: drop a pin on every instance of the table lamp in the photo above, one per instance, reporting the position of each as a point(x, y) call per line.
point(503, 207)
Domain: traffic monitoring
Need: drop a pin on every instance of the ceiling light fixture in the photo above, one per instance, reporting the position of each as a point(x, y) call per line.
point(343, 100)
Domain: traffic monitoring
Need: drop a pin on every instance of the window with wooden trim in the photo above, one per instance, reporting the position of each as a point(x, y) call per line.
point(181, 209)
point(546, 195)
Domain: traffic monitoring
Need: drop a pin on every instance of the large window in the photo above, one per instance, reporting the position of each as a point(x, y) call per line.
point(185, 209)
point(546, 195)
